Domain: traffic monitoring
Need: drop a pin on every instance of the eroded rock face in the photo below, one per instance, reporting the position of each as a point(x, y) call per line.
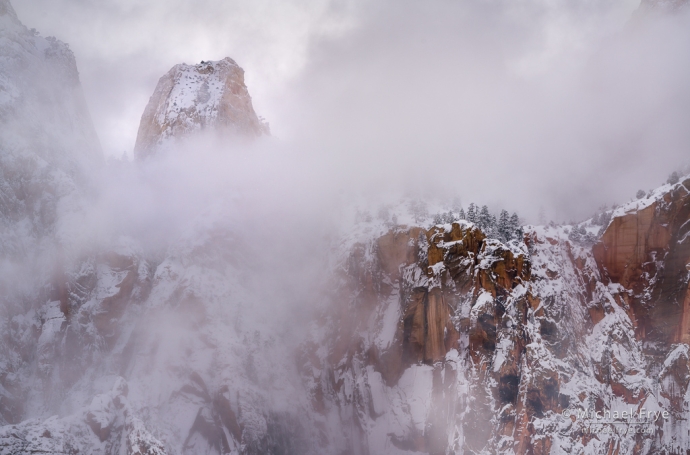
point(443, 340)
point(191, 98)
point(429, 310)
point(647, 251)
point(435, 340)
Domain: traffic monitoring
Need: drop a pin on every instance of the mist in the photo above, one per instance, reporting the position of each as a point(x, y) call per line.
point(521, 106)
point(561, 106)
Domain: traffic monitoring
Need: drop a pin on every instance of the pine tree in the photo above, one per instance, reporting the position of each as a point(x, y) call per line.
point(604, 220)
point(461, 214)
point(484, 219)
point(515, 228)
point(503, 228)
point(472, 213)
point(492, 230)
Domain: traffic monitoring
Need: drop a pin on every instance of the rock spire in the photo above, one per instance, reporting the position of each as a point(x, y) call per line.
point(192, 98)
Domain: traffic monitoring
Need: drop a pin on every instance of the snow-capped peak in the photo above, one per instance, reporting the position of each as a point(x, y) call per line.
point(191, 98)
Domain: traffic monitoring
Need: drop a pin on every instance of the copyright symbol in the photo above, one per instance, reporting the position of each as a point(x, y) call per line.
point(566, 413)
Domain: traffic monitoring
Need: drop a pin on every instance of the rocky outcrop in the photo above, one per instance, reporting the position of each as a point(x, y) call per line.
point(209, 96)
point(76, 311)
point(48, 147)
point(42, 107)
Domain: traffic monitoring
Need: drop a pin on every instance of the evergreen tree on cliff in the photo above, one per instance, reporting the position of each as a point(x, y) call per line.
point(504, 229)
point(472, 213)
point(515, 228)
point(484, 219)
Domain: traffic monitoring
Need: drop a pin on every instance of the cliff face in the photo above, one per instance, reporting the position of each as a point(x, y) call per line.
point(42, 107)
point(443, 340)
point(47, 141)
point(191, 98)
point(432, 345)
point(48, 148)
point(49, 153)
point(647, 251)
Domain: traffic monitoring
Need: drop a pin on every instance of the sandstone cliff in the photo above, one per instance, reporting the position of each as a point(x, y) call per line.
point(647, 250)
point(443, 340)
point(191, 98)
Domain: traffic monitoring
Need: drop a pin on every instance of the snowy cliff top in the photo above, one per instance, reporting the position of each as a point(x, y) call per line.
point(650, 198)
point(198, 86)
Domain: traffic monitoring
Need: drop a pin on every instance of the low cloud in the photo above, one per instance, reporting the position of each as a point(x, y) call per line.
point(519, 105)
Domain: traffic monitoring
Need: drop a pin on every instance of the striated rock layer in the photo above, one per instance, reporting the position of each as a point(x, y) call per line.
point(192, 98)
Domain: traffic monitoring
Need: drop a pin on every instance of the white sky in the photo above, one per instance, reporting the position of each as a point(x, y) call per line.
point(518, 103)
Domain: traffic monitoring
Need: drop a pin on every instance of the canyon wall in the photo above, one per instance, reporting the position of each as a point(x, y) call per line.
point(451, 342)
